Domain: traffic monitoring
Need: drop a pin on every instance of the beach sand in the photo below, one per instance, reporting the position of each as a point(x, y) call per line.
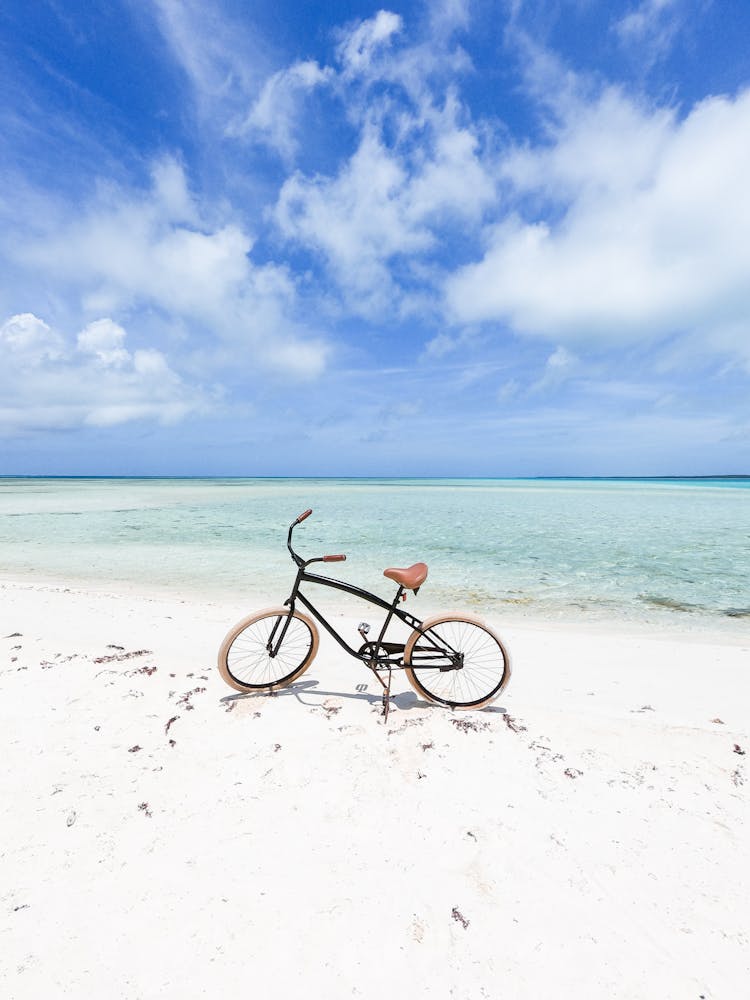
point(162, 836)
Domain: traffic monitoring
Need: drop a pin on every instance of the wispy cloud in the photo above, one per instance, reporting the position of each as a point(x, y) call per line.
point(223, 58)
point(274, 115)
point(650, 27)
point(361, 44)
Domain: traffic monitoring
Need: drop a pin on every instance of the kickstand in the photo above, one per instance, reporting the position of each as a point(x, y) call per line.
point(387, 697)
point(386, 705)
point(386, 688)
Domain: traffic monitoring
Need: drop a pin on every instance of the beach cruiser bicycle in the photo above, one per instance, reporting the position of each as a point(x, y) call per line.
point(452, 660)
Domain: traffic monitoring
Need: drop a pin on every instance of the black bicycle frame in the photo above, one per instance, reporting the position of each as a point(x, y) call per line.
point(391, 609)
point(373, 655)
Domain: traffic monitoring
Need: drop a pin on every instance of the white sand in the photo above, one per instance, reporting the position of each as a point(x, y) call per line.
point(595, 847)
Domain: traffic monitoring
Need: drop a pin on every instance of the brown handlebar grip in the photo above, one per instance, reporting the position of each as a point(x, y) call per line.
point(303, 516)
point(334, 558)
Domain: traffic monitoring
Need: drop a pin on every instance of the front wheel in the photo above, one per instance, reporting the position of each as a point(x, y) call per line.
point(248, 659)
point(456, 661)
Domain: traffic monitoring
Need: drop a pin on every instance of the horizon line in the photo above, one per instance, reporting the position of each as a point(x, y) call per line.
point(528, 478)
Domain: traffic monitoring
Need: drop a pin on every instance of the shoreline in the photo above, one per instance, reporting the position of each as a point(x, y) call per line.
point(675, 625)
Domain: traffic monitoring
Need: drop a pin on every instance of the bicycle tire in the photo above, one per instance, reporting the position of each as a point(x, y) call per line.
point(244, 662)
point(486, 666)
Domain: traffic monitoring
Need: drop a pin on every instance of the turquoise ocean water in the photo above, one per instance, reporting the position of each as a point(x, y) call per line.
point(676, 551)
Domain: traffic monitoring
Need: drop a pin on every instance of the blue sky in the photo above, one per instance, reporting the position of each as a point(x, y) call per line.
point(456, 238)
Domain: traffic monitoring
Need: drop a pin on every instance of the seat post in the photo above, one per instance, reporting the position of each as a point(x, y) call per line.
point(388, 617)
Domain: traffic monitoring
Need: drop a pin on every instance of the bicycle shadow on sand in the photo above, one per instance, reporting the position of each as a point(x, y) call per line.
point(305, 689)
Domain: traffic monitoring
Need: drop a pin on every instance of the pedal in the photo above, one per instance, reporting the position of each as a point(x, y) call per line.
point(363, 628)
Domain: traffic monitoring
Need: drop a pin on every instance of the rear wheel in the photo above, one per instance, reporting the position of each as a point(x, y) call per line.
point(456, 661)
point(247, 664)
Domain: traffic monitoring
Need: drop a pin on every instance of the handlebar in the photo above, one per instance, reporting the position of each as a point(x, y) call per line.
point(298, 559)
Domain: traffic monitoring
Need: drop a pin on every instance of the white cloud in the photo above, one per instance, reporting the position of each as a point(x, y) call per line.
point(650, 28)
point(360, 43)
point(448, 16)
point(440, 345)
point(418, 167)
point(451, 179)
point(356, 220)
point(273, 118)
point(149, 363)
point(298, 359)
point(606, 146)
point(103, 340)
point(163, 253)
point(28, 341)
point(388, 202)
point(641, 19)
point(508, 390)
point(224, 63)
point(97, 382)
point(416, 69)
point(129, 252)
point(647, 237)
point(171, 192)
point(559, 367)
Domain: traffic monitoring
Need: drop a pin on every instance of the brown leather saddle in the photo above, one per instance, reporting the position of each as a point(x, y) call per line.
point(410, 578)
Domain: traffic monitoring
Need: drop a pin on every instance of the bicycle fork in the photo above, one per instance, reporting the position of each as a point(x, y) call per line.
point(274, 647)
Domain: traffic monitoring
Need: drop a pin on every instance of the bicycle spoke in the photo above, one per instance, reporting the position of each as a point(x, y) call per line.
point(249, 661)
point(474, 682)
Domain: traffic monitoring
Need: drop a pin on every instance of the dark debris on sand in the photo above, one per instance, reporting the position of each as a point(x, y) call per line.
point(117, 657)
point(470, 725)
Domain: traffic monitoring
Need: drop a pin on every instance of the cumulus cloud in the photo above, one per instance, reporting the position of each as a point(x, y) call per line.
point(643, 234)
point(622, 224)
point(28, 341)
point(52, 382)
point(417, 165)
point(356, 220)
point(389, 200)
point(103, 340)
point(125, 249)
point(160, 251)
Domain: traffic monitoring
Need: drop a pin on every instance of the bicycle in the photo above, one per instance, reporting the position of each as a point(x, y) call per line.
point(451, 660)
